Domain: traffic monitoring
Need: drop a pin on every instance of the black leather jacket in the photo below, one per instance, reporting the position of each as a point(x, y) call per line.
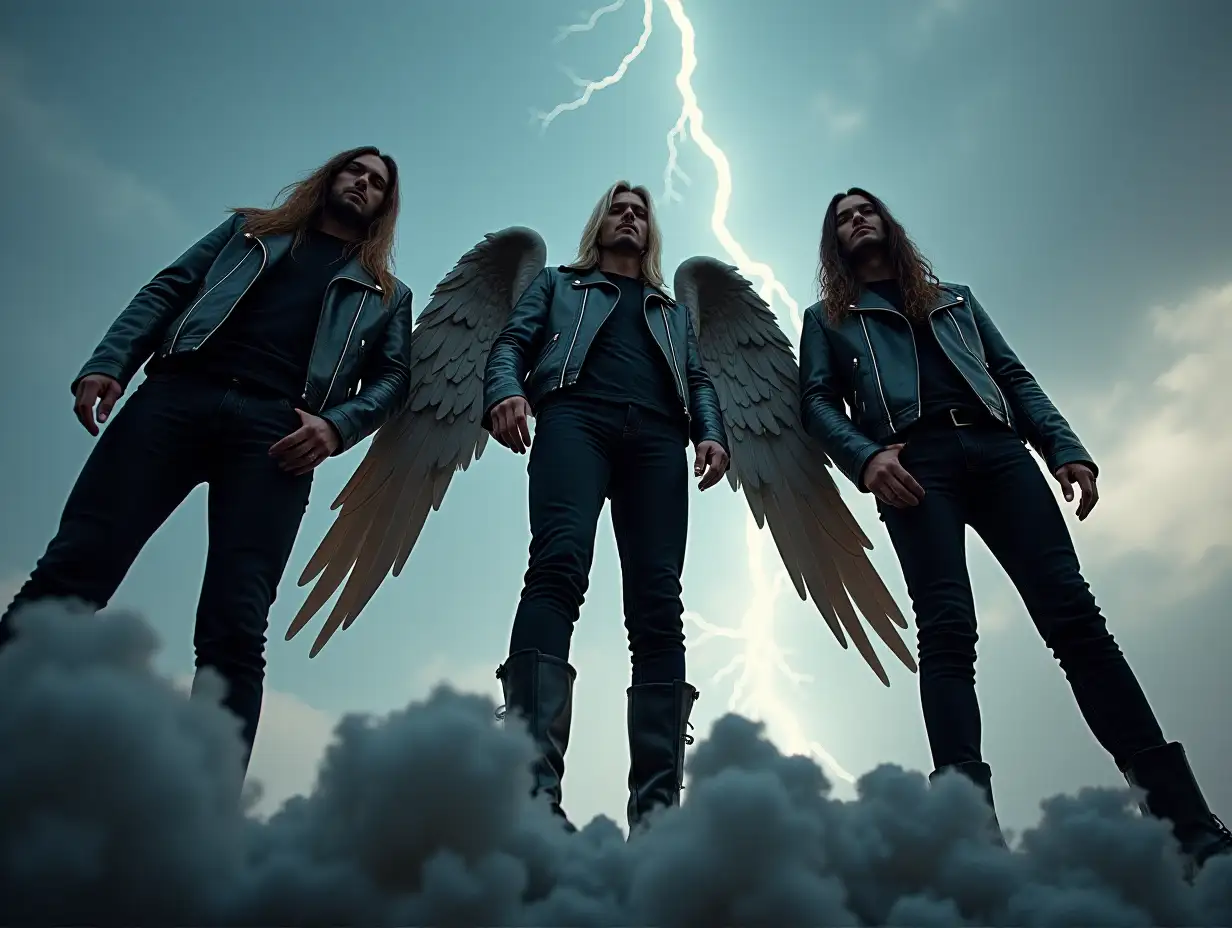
point(544, 343)
point(868, 361)
point(359, 371)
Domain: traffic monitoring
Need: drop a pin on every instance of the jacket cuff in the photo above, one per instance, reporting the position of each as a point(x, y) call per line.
point(856, 473)
point(107, 368)
point(1070, 454)
point(342, 424)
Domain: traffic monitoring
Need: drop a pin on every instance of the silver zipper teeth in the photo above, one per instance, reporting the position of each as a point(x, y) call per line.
point(877, 372)
point(581, 314)
point(175, 338)
point(675, 365)
point(962, 338)
point(317, 336)
point(551, 346)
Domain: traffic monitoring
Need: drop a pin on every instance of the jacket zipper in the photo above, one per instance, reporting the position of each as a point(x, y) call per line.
point(197, 302)
point(877, 372)
point(547, 351)
point(996, 386)
point(581, 314)
point(345, 345)
point(675, 364)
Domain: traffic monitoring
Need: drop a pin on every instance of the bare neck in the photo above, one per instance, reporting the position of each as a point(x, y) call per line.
point(874, 267)
point(626, 265)
point(332, 226)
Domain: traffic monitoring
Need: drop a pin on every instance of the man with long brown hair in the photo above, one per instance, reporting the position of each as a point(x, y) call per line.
point(607, 364)
point(277, 340)
point(938, 410)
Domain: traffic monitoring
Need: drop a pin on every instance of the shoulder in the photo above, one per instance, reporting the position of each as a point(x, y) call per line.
point(402, 293)
point(817, 315)
point(955, 289)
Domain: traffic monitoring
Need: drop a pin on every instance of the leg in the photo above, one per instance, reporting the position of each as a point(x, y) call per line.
point(569, 472)
point(930, 542)
point(255, 511)
point(1020, 521)
point(650, 515)
point(145, 463)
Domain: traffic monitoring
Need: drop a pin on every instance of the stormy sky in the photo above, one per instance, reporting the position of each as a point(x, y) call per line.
point(1067, 161)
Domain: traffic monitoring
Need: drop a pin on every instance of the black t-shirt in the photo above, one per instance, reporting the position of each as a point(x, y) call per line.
point(625, 364)
point(942, 385)
point(267, 340)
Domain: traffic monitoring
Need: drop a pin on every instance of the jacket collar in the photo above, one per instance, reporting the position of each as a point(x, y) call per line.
point(594, 277)
point(278, 246)
point(870, 299)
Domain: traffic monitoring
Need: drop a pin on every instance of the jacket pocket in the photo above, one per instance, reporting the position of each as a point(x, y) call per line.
point(543, 356)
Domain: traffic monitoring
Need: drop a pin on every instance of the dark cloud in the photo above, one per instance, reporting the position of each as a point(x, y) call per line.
point(121, 805)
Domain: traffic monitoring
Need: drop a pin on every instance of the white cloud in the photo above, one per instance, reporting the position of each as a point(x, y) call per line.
point(117, 196)
point(840, 120)
point(1162, 440)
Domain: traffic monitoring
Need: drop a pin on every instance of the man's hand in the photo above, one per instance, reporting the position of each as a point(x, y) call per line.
point(710, 464)
point(91, 389)
point(889, 481)
point(307, 446)
point(510, 423)
point(1069, 474)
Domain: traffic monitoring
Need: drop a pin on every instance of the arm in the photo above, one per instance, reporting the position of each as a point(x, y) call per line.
point(135, 334)
point(386, 383)
point(821, 405)
point(707, 415)
point(1044, 427)
point(502, 377)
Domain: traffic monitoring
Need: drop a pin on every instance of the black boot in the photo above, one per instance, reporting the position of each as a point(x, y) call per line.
point(539, 688)
point(1173, 794)
point(980, 774)
point(658, 723)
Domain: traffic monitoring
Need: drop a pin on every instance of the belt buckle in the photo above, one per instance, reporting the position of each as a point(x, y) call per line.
point(958, 424)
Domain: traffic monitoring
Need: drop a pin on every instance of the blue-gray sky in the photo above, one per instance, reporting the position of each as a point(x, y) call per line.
point(1068, 161)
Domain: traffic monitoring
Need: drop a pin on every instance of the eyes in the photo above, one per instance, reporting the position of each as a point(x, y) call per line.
point(356, 169)
point(845, 216)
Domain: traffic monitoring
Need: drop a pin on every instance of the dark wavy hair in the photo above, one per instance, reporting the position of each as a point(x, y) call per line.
point(837, 281)
point(306, 198)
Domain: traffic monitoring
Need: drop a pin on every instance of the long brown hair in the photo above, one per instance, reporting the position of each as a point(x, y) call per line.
point(836, 277)
point(588, 247)
point(306, 198)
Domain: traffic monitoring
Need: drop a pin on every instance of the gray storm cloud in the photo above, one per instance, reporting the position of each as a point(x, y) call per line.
point(120, 804)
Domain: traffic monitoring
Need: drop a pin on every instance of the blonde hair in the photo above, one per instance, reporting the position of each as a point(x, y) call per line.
point(588, 248)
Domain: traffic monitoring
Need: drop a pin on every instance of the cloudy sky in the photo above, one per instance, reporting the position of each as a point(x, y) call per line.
point(1069, 162)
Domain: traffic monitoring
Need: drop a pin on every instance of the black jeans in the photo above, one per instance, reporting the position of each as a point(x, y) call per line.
point(170, 436)
point(983, 476)
point(585, 451)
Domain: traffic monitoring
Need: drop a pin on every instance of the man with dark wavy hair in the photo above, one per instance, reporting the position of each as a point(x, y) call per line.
point(277, 340)
point(938, 410)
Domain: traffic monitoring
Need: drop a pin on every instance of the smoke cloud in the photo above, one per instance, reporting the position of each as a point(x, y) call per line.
point(120, 803)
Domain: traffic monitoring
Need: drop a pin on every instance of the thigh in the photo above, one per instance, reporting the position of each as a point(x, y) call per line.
point(144, 464)
point(650, 507)
point(1016, 514)
point(255, 508)
point(569, 472)
point(929, 539)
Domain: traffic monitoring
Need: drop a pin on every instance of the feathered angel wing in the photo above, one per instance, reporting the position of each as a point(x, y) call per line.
point(414, 456)
point(784, 472)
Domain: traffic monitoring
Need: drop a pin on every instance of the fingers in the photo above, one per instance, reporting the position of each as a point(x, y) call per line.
point(83, 405)
point(1090, 494)
point(909, 484)
point(281, 447)
point(1067, 485)
point(895, 487)
point(511, 424)
point(110, 396)
point(714, 463)
point(699, 461)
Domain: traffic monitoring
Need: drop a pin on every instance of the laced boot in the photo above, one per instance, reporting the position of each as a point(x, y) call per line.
point(658, 722)
point(539, 688)
point(1172, 794)
point(980, 774)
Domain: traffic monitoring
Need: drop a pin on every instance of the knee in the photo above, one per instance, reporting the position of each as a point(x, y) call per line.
point(947, 645)
point(1083, 637)
point(559, 561)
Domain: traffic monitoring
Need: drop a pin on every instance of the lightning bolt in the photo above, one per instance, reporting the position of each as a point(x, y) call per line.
point(762, 661)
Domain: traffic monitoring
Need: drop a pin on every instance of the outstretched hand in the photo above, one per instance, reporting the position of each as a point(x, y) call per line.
point(306, 447)
point(710, 464)
point(95, 388)
point(1069, 474)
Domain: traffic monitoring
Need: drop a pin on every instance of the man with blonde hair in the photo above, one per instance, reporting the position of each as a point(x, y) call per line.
point(607, 364)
